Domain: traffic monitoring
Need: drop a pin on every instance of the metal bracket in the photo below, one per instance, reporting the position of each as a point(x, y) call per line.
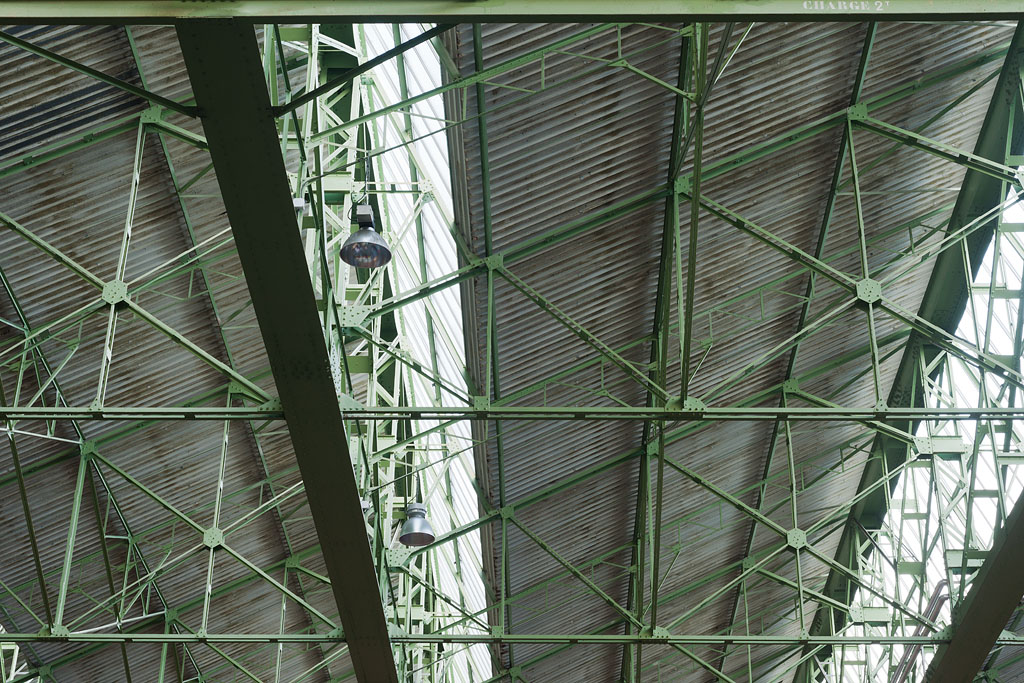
point(660, 632)
point(352, 315)
point(494, 261)
point(115, 292)
point(923, 445)
point(796, 538)
point(869, 291)
point(398, 557)
point(681, 186)
point(154, 114)
point(858, 112)
point(791, 386)
point(481, 403)
point(237, 388)
point(349, 402)
point(271, 406)
point(87, 449)
point(694, 405)
point(213, 538)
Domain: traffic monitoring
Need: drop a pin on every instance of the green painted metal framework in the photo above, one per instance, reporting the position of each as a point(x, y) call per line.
point(140, 11)
point(344, 372)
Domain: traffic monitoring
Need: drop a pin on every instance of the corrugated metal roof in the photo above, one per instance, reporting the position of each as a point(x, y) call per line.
point(585, 142)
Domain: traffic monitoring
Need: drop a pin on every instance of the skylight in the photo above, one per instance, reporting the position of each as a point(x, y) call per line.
point(418, 222)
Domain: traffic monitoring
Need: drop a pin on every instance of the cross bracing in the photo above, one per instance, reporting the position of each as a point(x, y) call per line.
point(690, 262)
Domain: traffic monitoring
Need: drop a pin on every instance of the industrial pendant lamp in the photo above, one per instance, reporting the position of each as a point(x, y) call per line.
point(417, 530)
point(365, 248)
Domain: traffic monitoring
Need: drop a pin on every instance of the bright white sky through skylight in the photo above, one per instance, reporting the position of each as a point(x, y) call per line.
point(451, 449)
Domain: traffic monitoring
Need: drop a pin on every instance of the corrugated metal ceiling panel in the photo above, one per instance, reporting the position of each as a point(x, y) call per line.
point(585, 143)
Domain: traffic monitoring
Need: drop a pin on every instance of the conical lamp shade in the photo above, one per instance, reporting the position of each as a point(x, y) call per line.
point(417, 530)
point(365, 248)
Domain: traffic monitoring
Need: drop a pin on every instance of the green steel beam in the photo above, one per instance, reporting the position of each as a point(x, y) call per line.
point(632, 655)
point(979, 620)
point(227, 77)
point(582, 567)
point(131, 428)
point(98, 75)
point(473, 638)
point(501, 578)
point(938, 149)
point(703, 580)
point(74, 143)
point(29, 526)
point(312, 11)
point(571, 229)
point(751, 414)
point(943, 305)
point(270, 412)
point(527, 664)
point(100, 303)
point(107, 570)
point(919, 323)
